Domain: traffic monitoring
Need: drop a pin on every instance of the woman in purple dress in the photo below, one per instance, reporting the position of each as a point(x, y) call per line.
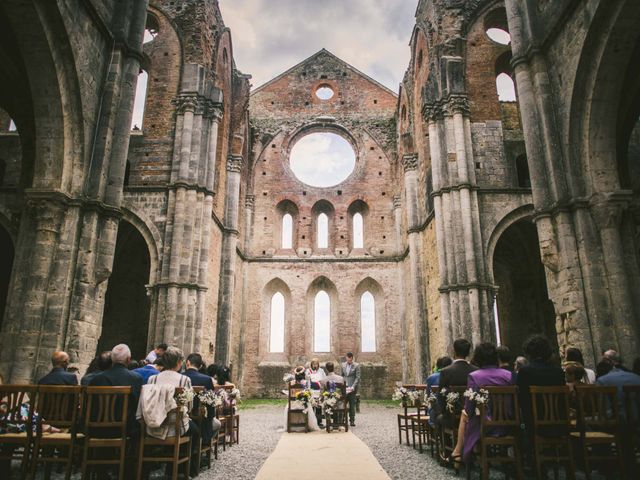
point(485, 357)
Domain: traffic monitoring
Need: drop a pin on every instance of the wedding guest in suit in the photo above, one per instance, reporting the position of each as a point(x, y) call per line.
point(541, 372)
point(211, 425)
point(120, 376)
point(456, 374)
point(504, 358)
point(351, 374)
point(433, 380)
point(618, 377)
point(331, 375)
point(519, 363)
point(98, 365)
point(58, 374)
point(603, 367)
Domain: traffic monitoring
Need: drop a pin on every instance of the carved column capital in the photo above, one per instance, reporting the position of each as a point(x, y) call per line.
point(250, 201)
point(234, 163)
point(186, 103)
point(397, 201)
point(607, 209)
point(457, 104)
point(431, 111)
point(410, 162)
point(214, 111)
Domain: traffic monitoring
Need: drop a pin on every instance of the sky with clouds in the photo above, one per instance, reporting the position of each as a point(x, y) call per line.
point(270, 36)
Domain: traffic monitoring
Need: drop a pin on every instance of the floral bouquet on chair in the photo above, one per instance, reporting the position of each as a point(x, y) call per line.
point(306, 399)
point(212, 398)
point(184, 399)
point(406, 396)
point(330, 399)
point(478, 399)
point(452, 401)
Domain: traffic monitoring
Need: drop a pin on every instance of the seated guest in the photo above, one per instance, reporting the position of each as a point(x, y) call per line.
point(223, 376)
point(574, 374)
point(574, 354)
point(433, 380)
point(98, 365)
point(603, 367)
point(331, 376)
point(211, 425)
point(504, 358)
point(120, 376)
point(153, 355)
point(488, 374)
point(540, 372)
point(58, 374)
point(149, 370)
point(618, 377)
point(455, 375)
point(519, 363)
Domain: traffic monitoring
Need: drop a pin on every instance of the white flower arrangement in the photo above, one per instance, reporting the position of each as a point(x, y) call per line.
point(186, 397)
point(478, 398)
point(452, 399)
point(430, 399)
point(404, 395)
point(288, 377)
point(235, 394)
point(329, 401)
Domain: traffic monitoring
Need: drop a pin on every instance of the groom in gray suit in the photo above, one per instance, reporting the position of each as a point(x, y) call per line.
point(351, 374)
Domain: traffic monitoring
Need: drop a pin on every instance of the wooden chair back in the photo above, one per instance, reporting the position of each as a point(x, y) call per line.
point(632, 405)
point(106, 410)
point(598, 408)
point(502, 410)
point(550, 408)
point(59, 406)
point(294, 389)
point(295, 413)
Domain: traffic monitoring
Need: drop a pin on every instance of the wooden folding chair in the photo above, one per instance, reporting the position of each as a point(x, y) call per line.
point(551, 425)
point(404, 418)
point(295, 414)
point(58, 406)
point(14, 444)
point(200, 414)
point(178, 446)
point(233, 420)
point(449, 429)
point(500, 433)
point(340, 415)
point(598, 434)
point(105, 427)
point(632, 426)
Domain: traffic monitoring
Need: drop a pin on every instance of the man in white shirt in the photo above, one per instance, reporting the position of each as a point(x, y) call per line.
point(156, 352)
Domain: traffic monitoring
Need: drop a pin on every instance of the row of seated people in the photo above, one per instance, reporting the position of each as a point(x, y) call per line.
point(151, 403)
point(490, 368)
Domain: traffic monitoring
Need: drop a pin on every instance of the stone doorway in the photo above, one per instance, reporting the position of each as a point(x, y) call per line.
point(6, 264)
point(523, 303)
point(126, 306)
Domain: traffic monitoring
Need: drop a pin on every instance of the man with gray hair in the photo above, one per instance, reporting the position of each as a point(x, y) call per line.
point(120, 376)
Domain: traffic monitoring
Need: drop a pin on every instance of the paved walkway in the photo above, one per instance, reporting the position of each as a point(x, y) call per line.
point(344, 455)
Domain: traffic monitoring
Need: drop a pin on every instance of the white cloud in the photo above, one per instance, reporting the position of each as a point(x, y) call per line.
point(270, 36)
point(322, 159)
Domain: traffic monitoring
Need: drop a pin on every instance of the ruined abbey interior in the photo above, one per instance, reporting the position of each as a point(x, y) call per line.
point(460, 214)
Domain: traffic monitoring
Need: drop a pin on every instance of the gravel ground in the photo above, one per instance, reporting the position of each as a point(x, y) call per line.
point(260, 430)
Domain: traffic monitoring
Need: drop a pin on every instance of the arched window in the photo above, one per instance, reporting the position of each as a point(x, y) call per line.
point(368, 322)
point(139, 101)
point(12, 126)
point(287, 231)
point(506, 88)
point(358, 231)
point(151, 29)
point(323, 231)
point(322, 322)
point(276, 333)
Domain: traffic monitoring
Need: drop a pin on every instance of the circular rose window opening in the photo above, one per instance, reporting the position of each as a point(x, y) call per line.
point(324, 92)
point(322, 159)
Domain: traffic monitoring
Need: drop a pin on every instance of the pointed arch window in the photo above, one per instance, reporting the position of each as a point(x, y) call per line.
point(139, 101)
point(368, 322)
point(323, 231)
point(358, 230)
point(322, 322)
point(287, 231)
point(276, 333)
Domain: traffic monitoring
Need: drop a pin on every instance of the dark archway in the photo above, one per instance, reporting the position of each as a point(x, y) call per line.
point(6, 264)
point(126, 306)
point(524, 307)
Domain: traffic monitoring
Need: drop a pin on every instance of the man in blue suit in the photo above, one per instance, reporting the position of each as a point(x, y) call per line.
point(618, 377)
point(58, 374)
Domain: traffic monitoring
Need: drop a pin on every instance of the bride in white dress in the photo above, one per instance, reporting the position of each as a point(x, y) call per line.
point(299, 376)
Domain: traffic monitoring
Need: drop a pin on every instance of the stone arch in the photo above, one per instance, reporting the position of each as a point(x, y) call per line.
point(151, 235)
point(516, 269)
point(224, 82)
point(127, 307)
point(286, 207)
point(321, 283)
point(360, 207)
point(319, 208)
point(272, 287)
point(372, 286)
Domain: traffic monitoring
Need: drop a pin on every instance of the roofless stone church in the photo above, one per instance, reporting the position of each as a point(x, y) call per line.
point(457, 213)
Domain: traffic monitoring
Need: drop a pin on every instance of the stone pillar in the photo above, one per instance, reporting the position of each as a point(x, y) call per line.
point(397, 214)
point(418, 306)
point(228, 269)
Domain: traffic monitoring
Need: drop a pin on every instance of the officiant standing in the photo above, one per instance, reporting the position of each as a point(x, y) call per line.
point(351, 374)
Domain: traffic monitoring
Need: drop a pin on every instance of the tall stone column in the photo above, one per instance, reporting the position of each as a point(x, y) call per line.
point(181, 294)
point(418, 306)
point(397, 214)
point(228, 268)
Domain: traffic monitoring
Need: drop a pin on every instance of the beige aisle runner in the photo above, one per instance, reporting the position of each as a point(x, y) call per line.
point(321, 455)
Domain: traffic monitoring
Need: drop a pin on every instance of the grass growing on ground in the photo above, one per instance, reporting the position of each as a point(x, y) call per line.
point(258, 402)
point(379, 403)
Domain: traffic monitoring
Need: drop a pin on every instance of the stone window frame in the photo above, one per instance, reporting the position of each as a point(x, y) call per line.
point(358, 206)
point(272, 287)
point(372, 286)
point(321, 283)
point(284, 207)
point(326, 207)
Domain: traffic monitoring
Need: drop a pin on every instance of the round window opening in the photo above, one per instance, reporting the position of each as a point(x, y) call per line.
point(499, 35)
point(324, 92)
point(322, 159)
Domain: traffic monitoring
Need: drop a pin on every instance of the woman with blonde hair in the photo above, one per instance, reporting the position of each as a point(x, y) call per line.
point(315, 375)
